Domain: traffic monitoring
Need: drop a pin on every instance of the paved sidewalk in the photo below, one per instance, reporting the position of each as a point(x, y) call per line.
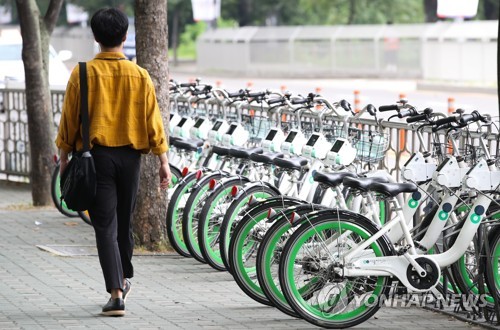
point(41, 290)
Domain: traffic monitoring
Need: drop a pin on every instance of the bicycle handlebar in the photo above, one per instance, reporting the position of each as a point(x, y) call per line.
point(416, 118)
point(256, 94)
point(407, 113)
point(391, 107)
point(275, 100)
point(191, 84)
point(239, 93)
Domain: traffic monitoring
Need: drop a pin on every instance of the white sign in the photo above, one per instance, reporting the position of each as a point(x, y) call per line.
point(457, 8)
point(76, 14)
point(206, 10)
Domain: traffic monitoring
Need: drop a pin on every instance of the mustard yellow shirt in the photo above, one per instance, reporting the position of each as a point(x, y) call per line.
point(123, 110)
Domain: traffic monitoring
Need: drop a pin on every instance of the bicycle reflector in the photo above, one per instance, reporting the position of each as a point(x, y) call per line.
point(55, 159)
point(270, 213)
point(212, 184)
point(252, 200)
point(185, 171)
point(234, 190)
point(294, 216)
point(199, 174)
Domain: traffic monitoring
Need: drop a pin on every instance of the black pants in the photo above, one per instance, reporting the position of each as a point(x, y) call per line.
point(111, 213)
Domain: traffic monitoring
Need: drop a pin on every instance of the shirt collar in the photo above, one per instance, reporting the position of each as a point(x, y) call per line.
point(111, 56)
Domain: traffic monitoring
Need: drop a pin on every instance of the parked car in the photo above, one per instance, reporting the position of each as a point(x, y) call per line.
point(12, 67)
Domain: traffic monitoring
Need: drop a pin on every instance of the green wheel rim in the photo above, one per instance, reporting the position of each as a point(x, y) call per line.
point(211, 235)
point(496, 257)
point(267, 262)
point(192, 232)
point(244, 271)
point(317, 312)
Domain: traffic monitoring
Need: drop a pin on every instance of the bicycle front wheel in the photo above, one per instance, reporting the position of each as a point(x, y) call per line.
point(311, 270)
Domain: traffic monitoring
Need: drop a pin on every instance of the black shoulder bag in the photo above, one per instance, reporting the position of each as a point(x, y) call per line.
point(78, 181)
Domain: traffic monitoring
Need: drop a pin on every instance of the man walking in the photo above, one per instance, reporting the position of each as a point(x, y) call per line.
point(125, 121)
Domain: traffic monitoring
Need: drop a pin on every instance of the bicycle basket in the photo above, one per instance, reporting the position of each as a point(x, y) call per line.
point(371, 146)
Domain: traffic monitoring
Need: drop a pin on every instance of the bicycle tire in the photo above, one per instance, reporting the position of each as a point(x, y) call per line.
point(175, 208)
point(493, 268)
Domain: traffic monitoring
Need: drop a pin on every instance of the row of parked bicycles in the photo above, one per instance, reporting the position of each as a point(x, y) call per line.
point(289, 194)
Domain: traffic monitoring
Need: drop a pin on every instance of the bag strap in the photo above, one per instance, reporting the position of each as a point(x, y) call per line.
point(84, 106)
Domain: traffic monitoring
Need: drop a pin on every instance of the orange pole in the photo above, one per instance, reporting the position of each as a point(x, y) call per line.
point(357, 102)
point(283, 88)
point(451, 105)
point(318, 90)
point(402, 140)
point(402, 133)
point(249, 84)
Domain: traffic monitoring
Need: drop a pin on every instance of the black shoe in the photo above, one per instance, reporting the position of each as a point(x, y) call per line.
point(114, 307)
point(126, 290)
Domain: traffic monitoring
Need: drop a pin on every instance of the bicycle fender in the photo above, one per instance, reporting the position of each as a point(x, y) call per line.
point(358, 218)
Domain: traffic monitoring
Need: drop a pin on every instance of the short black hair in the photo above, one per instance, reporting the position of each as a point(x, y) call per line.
point(109, 26)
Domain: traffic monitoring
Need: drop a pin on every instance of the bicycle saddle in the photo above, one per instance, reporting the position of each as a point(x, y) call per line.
point(266, 158)
point(295, 163)
point(393, 189)
point(332, 179)
point(361, 183)
point(190, 145)
point(244, 153)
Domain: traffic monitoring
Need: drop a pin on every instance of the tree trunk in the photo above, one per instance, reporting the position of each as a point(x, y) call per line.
point(152, 45)
point(430, 8)
point(244, 12)
point(352, 11)
point(36, 31)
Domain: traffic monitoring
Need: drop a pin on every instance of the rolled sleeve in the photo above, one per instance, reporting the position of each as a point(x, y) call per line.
point(156, 131)
point(69, 125)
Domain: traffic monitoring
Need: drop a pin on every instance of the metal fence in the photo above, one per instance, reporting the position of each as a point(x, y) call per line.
point(403, 141)
point(14, 140)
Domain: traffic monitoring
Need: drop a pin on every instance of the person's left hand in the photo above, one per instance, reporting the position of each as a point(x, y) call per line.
point(165, 176)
